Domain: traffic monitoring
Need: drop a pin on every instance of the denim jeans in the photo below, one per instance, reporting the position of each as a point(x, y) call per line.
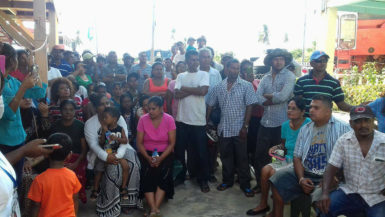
point(194, 140)
point(353, 205)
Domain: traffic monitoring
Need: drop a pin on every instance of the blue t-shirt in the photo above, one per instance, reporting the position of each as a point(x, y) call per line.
point(291, 136)
point(316, 158)
point(377, 107)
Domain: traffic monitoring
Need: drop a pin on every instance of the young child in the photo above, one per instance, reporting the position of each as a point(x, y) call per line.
point(55, 191)
point(127, 111)
point(114, 140)
point(116, 93)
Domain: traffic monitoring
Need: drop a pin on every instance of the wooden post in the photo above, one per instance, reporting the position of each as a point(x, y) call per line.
point(39, 15)
point(53, 36)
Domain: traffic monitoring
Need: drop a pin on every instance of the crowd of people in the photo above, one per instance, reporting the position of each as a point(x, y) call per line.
point(132, 132)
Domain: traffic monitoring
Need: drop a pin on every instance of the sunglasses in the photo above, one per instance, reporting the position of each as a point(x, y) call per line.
point(320, 60)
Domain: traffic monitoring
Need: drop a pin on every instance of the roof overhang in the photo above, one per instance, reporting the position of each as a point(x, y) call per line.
point(375, 7)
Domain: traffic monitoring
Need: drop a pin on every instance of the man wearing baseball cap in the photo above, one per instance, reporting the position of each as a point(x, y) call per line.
point(318, 81)
point(90, 65)
point(57, 60)
point(361, 154)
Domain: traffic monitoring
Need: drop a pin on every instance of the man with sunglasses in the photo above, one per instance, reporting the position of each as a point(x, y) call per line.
point(318, 81)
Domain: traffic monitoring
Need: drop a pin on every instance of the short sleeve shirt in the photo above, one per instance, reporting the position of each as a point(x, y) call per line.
point(308, 87)
point(55, 197)
point(75, 131)
point(290, 136)
point(156, 138)
point(192, 109)
point(363, 175)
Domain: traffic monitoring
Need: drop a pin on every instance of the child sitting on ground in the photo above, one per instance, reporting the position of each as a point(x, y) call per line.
point(55, 191)
point(113, 139)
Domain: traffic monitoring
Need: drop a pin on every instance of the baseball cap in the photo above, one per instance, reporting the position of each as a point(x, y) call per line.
point(317, 54)
point(59, 47)
point(87, 56)
point(362, 111)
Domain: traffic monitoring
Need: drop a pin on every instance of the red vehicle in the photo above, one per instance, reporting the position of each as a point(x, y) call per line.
point(370, 47)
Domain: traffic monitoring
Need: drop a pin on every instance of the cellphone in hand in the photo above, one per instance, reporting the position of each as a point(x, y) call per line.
point(51, 146)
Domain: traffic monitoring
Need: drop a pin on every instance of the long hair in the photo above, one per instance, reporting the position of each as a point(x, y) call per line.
point(55, 88)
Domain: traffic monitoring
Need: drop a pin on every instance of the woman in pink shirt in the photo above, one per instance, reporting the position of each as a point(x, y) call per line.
point(155, 143)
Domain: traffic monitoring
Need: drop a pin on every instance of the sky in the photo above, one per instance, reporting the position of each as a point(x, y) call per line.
point(126, 25)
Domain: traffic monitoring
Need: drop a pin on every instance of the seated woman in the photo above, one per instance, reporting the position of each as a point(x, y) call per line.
point(35, 120)
point(157, 85)
point(75, 129)
point(289, 133)
point(108, 201)
point(61, 90)
point(155, 143)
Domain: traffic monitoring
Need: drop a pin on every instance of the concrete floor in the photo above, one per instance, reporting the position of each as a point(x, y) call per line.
point(189, 201)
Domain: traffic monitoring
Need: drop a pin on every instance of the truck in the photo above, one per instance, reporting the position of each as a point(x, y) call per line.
point(368, 46)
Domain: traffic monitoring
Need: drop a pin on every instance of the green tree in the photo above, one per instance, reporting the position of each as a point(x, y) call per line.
point(297, 54)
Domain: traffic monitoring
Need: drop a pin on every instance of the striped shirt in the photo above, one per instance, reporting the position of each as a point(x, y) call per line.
point(363, 175)
point(55, 114)
point(233, 104)
point(282, 89)
point(308, 87)
point(334, 129)
point(64, 68)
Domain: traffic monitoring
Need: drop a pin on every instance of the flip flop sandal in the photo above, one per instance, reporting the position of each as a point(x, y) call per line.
point(223, 187)
point(248, 192)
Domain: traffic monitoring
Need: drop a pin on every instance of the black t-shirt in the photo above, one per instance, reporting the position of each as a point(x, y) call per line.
point(117, 132)
point(75, 131)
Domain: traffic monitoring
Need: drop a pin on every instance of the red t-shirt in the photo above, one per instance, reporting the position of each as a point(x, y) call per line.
point(54, 190)
point(18, 75)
